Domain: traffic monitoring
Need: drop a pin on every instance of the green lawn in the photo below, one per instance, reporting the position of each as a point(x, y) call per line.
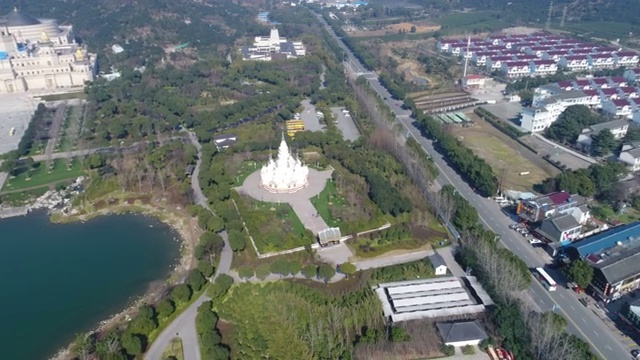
point(174, 349)
point(68, 96)
point(247, 168)
point(327, 198)
point(602, 29)
point(40, 176)
point(21, 197)
point(480, 21)
point(606, 213)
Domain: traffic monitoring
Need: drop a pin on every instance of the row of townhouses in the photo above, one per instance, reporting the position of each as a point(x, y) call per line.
point(614, 96)
point(537, 54)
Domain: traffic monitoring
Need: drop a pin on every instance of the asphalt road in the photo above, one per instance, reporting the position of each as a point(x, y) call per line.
point(581, 321)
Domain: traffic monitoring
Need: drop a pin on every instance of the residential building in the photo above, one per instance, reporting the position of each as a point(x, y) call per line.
point(546, 109)
point(574, 62)
point(524, 57)
point(561, 229)
point(608, 94)
point(473, 81)
point(555, 55)
point(495, 62)
point(626, 59)
point(445, 45)
point(581, 51)
point(632, 75)
point(602, 61)
point(583, 85)
point(565, 85)
point(600, 83)
point(516, 69)
point(628, 92)
point(546, 206)
point(594, 99)
point(439, 266)
point(463, 333)
point(630, 155)
point(543, 67)
point(480, 57)
point(618, 128)
point(273, 47)
point(619, 107)
point(263, 17)
point(615, 256)
point(538, 51)
point(38, 53)
point(618, 81)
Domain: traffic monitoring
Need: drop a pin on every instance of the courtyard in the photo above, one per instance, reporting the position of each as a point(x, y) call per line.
point(15, 114)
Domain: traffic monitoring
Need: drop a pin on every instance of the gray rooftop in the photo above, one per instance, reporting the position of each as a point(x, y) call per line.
point(19, 18)
point(437, 260)
point(621, 266)
point(553, 227)
point(461, 331)
point(615, 124)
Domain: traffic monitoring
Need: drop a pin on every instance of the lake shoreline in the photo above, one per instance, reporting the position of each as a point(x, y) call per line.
point(175, 217)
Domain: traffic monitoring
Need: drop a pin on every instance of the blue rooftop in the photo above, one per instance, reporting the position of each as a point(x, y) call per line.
point(3, 55)
point(607, 239)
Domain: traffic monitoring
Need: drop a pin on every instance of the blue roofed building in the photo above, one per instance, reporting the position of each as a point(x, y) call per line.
point(263, 17)
point(615, 258)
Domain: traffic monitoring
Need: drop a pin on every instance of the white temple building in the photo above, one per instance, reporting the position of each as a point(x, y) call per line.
point(40, 54)
point(272, 47)
point(285, 174)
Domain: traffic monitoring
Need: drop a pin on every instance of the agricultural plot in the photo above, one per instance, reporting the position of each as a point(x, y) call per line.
point(603, 29)
point(507, 157)
point(476, 21)
point(419, 27)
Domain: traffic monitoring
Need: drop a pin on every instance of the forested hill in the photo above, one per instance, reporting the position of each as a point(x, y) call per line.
point(209, 25)
point(625, 11)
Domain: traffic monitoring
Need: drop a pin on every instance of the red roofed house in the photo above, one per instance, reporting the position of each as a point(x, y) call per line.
point(543, 67)
point(473, 81)
point(480, 58)
point(581, 51)
point(444, 45)
point(602, 61)
point(609, 94)
point(516, 69)
point(495, 62)
point(619, 108)
point(565, 85)
point(574, 62)
point(600, 83)
point(594, 99)
point(554, 55)
point(583, 84)
point(626, 58)
point(629, 92)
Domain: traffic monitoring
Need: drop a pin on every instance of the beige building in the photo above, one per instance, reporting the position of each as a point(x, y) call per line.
point(39, 54)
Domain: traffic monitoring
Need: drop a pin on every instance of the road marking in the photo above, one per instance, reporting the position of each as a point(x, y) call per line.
point(585, 321)
point(562, 296)
point(608, 347)
point(571, 306)
point(595, 332)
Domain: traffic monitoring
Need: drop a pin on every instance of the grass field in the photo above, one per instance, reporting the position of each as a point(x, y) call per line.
point(174, 349)
point(327, 198)
point(503, 153)
point(477, 21)
point(40, 176)
point(602, 29)
point(18, 198)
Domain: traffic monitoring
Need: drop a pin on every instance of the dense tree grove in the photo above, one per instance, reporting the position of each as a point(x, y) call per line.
point(211, 346)
point(596, 180)
point(474, 169)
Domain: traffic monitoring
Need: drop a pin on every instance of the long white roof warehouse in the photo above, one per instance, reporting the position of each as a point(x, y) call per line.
point(426, 298)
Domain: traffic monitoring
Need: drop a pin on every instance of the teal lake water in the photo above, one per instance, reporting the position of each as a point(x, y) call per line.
point(60, 280)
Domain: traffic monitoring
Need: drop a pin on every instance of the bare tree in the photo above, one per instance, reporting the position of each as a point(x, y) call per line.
point(445, 205)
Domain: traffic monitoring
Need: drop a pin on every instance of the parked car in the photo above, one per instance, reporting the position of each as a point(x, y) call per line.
point(635, 353)
point(514, 226)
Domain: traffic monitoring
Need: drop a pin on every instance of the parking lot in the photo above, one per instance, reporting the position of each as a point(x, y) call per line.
point(15, 113)
point(309, 117)
point(346, 124)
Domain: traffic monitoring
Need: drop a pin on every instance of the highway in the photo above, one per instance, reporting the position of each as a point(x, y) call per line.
point(581, 320)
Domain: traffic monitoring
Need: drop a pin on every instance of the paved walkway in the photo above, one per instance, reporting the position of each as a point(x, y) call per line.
point(566, 149)
point(299, 201)
point(447, 255)
point(393, 260)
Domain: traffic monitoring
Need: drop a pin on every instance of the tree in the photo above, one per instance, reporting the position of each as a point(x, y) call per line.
point(196, 280)
point(281, 267)
point(144, 322)
point(295, 266)
point(181, 293)
point(220, 286)
point(132, 343)
point(236, 240)
point(95, 161)
point(399, 334)
point(448, 350)
point(326, 272)
point(310, 271)
point(413, 29)
point(603, 143)
point(245, 271)
point(165, 308)
point(205, 268)
point(210, 244)
point(348, 268)
point(581, 273)
point(262, 271)
point(215, 224)
point(206, 319)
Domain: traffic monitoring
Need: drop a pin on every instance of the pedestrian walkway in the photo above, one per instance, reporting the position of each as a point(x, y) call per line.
point(276, 277)
point(447, 255)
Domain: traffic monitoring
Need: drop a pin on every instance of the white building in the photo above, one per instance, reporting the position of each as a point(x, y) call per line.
point(626, 59)
point(272, 47)
point(439, 266)
point(473, 81)
point(618, 128)
point(39, 54)
point(602, 61)
point(547, 107)
point(574, 62)
point(543, 67)
point(619, 107)
point(516, 69)
point(630, 155)
point(285, 174)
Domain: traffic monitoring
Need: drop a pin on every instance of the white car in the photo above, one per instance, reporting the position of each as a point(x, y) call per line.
point(534, 241)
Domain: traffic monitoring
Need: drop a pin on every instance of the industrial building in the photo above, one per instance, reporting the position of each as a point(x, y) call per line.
point(431, 298)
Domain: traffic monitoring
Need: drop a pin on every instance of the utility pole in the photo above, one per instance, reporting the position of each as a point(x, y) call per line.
point(564, 15)
point(466, 56)
point(549, 15)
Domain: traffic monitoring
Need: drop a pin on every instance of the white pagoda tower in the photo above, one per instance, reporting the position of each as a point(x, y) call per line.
point(285, 174)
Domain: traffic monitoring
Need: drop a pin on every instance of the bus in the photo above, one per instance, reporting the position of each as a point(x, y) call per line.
point(545, 279)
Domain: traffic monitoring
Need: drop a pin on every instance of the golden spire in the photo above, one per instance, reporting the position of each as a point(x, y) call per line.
point(79, 54)
point(44, 37)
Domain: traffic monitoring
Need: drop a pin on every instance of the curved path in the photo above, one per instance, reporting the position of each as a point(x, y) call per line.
point(184, 326)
